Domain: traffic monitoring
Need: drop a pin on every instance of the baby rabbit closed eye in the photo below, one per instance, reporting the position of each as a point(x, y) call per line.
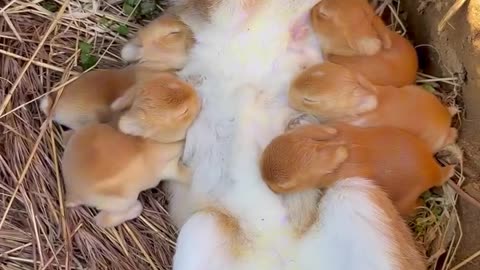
point(316, 156)
point(353, 36)
point(333, 92)
point(107, 169)
point(163, 43)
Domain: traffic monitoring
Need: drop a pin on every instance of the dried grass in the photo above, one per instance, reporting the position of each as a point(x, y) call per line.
point(36, 231)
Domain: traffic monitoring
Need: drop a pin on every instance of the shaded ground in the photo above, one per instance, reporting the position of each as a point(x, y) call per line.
point(459, 49)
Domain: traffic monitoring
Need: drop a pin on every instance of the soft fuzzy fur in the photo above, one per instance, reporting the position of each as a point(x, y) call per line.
point(357, 229)
point(242, 64)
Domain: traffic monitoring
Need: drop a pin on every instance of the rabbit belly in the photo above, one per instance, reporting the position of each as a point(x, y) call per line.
point(242, 74)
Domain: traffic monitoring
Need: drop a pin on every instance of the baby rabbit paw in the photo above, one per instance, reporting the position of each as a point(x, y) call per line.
point(106, 219)
point(301, 120)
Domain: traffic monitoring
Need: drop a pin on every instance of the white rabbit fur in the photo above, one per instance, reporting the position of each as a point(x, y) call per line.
point(242, 70)
point(245, 71)
point(354, 231)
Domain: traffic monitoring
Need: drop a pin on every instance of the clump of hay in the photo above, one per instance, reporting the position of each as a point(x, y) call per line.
point(43, 45)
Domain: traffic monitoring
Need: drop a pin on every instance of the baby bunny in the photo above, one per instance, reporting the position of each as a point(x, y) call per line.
point(164, 44)
point(107, 169)
point(354, 37)
point(87, 100)
point(316, 156)
point(333, 92)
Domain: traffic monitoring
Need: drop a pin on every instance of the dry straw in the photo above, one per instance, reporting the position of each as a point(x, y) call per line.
point(39, 54)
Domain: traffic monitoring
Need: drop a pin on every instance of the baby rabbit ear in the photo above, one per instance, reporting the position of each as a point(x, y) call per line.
point(365, 46)
point(319, 11)
point(323, 159)
point(366, 95)
point(329, 158)
point(365, 84)
point(132, 51)
point(383, 32)
point(123, 102)
point(129, 124)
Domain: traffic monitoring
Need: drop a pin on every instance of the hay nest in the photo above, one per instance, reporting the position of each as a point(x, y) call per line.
point(43, 45)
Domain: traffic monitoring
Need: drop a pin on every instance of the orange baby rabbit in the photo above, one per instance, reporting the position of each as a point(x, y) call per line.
point(316, 156)
point(353, 36)
point(87, 100)
point(107, 169)
point(163, 43)
point(332, 92)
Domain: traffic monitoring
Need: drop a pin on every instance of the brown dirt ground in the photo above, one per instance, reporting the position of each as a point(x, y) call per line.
point(459, 50)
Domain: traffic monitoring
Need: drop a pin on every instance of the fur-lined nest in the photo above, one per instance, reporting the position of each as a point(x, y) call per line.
point(43, 45)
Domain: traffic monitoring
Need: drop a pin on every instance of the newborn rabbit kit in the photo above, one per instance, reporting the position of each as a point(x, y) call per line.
point(354, 37)
point(107, 168)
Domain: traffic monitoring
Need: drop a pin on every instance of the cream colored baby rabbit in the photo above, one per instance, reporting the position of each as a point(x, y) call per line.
point(162, 44)
point(107, 169)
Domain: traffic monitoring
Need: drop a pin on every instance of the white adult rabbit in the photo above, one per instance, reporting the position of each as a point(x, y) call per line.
point(357, 228)
point(246, 54)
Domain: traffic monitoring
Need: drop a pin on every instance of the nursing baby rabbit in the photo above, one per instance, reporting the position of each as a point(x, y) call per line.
point(333, 92)
point(353, 36)
point(107, 168)
point(163, 45)
point(316, 156)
